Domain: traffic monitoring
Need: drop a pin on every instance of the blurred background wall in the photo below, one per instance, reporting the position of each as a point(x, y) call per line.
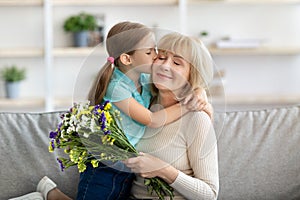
point(271, 77)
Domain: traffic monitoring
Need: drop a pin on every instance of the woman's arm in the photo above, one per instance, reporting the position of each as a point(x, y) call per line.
point(202, 158)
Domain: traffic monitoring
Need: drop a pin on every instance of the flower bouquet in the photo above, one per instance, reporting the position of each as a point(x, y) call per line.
point(91, 134)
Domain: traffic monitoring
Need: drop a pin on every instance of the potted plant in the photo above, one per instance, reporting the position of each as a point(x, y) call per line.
point(80, 25)
point(12, 76)
point(204, 37)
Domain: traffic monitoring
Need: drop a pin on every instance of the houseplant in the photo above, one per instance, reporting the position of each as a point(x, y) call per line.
point(205, 38)
point(80, 25)
point(12, 76)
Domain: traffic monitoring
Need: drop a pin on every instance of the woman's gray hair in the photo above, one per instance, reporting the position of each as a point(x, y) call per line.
point(194, 52)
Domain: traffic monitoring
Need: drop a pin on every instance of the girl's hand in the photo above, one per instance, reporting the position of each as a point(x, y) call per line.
point(148, 166)
point(196, 101)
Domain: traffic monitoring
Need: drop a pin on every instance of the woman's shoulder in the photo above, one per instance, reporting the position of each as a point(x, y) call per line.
point(196, 120)
point(197, 116)
point(196, 126)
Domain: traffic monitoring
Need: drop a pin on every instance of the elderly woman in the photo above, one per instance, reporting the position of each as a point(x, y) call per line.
point(183, 153)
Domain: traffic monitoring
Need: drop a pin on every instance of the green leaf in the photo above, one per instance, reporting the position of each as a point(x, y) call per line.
point(13, 74)
point(80, 22)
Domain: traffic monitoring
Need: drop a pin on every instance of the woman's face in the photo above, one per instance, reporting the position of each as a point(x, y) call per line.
point(170, 71)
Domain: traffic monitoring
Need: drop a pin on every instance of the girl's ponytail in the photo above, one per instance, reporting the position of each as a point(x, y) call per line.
point(98, 89)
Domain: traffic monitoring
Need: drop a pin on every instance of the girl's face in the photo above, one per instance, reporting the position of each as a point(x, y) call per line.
point(170, 71)
point(143, 57)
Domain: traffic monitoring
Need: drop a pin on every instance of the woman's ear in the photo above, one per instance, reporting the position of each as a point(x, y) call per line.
point(125, 59)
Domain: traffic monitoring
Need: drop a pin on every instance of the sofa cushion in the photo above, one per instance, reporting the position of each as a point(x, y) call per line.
point(259, 154)
point(25, 158)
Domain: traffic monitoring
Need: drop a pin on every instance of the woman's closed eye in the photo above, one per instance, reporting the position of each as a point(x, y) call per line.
point(176, 63)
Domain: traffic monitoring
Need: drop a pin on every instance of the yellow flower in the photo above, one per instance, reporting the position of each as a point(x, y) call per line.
point(107, 106)
point(74, 157)
point(81, 167)
point(102, 155)
point(110, 140)
point(67, 149)
point(50, 148)
point(91, 108)
point(83, 112)
point(95, 163)
point(74, 110)
point(104, 139)
point(108, 117)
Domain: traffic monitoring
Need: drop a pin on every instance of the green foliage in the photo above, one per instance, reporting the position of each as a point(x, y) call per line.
point(80, 22)
point(203, 33)
point(13, 74)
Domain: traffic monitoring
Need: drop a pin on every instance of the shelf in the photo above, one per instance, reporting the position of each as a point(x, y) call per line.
point(32, 104)
point(57, 52)
point(75, 51)
point(113, 2)
point(21, 102)
point(274, 51)
point(21, 2)
point(246, 2)
point(21, 52)
point(100, 51)
point(63, 103)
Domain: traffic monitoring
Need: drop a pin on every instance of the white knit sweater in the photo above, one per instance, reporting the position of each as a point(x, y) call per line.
point(189, 144)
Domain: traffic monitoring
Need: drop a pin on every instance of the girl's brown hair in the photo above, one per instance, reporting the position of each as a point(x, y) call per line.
point(123, 37)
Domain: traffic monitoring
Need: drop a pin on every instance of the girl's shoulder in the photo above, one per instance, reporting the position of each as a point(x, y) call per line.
point(144, 78)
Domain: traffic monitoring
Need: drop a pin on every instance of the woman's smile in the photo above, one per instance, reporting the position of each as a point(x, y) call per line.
point(164, 76)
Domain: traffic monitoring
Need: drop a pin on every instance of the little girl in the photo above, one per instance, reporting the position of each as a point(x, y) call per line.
point(124, 80)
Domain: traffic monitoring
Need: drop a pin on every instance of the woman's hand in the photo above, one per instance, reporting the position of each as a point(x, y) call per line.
point(148, 166)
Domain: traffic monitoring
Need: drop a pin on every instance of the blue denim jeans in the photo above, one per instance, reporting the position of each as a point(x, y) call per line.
point(105, 183)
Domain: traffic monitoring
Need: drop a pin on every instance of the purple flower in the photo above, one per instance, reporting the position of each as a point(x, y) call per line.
point(106, 102)
point(102, 121)
point(57, 142)
point(52, 134)
point(95, 110)
point(97, 107)
point(52, 144)
point(59, 126)
point(107, 132)
point(62, 167)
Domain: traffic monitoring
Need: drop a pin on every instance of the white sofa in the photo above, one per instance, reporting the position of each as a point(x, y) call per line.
point(259, 154)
